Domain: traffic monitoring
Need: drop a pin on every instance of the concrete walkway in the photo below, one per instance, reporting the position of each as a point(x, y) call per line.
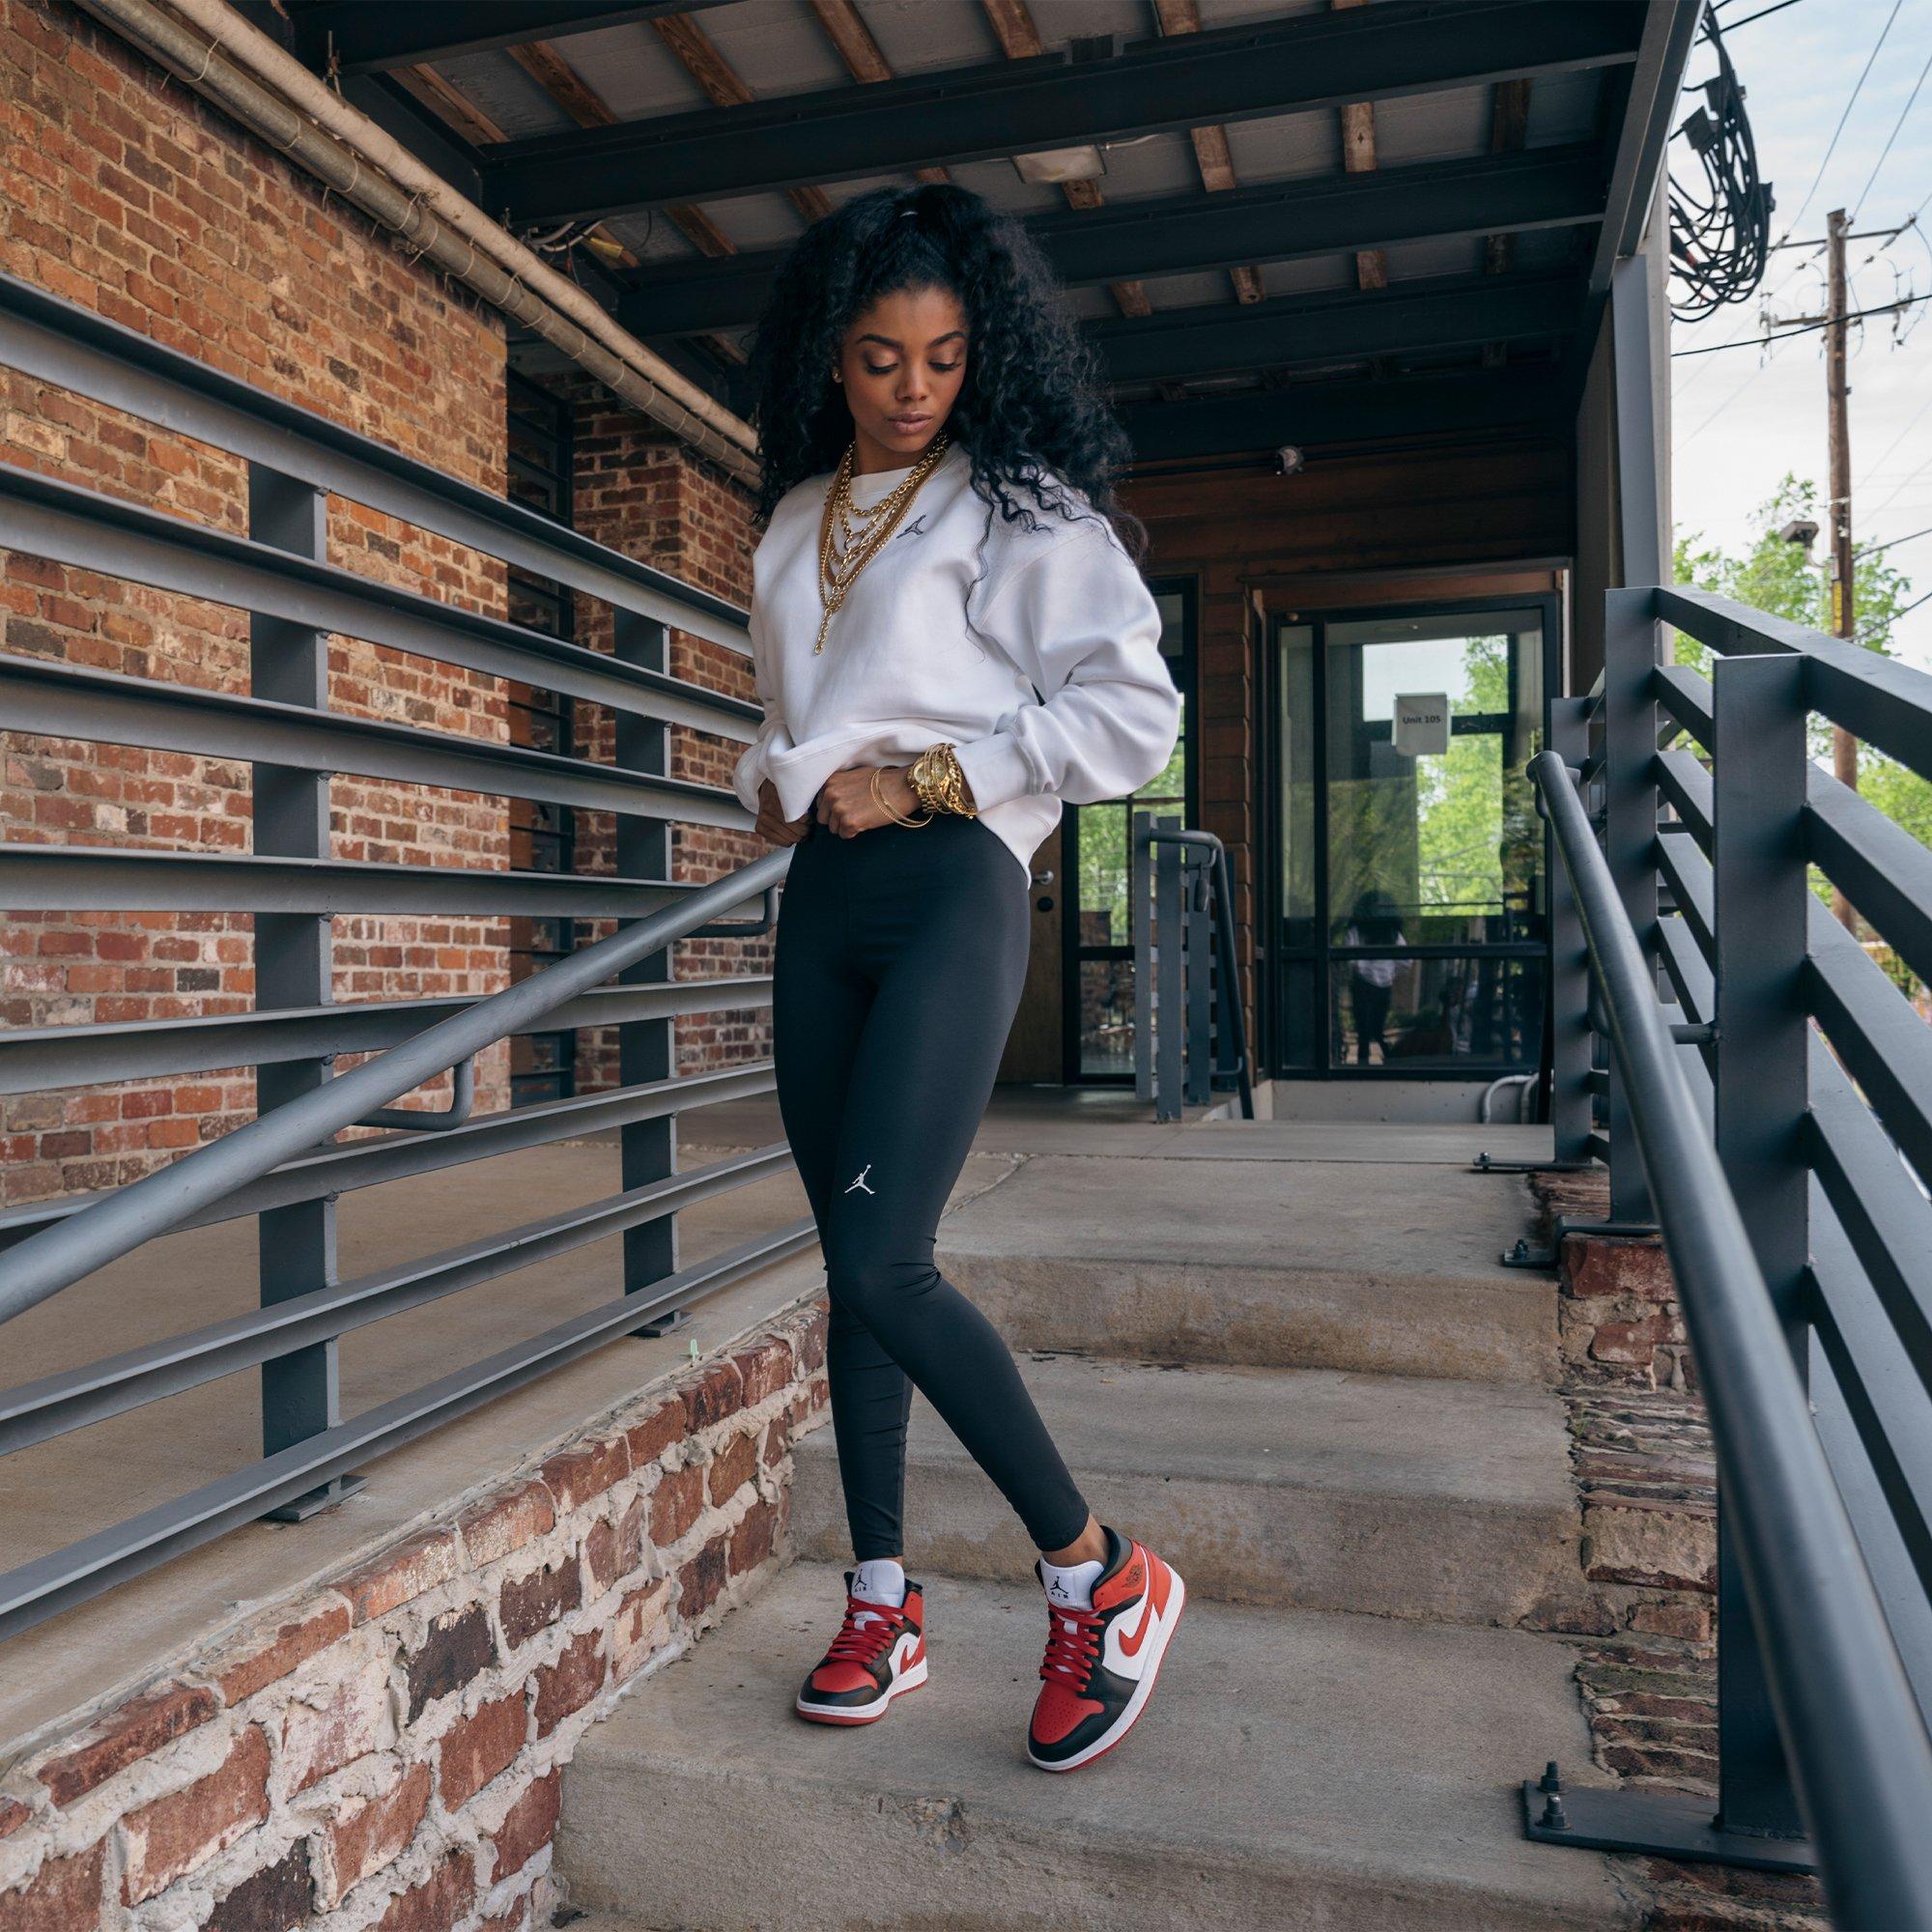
point(1302, 1374)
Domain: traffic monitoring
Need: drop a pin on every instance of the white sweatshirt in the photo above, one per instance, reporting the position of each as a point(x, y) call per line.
point(1045, 672)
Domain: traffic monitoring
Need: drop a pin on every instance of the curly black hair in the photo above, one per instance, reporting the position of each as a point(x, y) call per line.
point(1032, 409)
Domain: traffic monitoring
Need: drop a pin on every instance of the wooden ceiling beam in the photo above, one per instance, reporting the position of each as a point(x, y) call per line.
point(1211, 152)
point(1358, 158)
point(1012, 24)
point(852, 39)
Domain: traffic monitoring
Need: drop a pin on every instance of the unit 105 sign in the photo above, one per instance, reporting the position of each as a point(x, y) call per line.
point(1421, 724)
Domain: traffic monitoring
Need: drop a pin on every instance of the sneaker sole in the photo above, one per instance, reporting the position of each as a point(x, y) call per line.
point(860, 1714)
point(1130, 1715)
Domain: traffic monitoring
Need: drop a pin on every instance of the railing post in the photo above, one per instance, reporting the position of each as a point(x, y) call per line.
point(1200, 951)
point(1140, 876)
point(1631, 645)
point(1569, 965)
point(645, 1048)
point(1760, 894)
point(1170, 1017)
point(301, 1391)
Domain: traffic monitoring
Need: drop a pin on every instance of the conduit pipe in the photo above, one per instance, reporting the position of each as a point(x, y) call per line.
point(244, 73)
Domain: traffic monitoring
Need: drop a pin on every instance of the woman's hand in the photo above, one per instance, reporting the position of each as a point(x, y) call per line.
point(845, 802)
point(772, 824)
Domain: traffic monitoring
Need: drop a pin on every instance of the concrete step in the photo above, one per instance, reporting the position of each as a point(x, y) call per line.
point(1304, 1488)
point(1391, 1268)
point(1295, 1769)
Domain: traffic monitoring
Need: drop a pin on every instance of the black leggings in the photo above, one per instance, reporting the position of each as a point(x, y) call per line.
point(899, 956)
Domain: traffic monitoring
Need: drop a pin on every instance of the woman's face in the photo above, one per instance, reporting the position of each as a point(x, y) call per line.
point(900, 365)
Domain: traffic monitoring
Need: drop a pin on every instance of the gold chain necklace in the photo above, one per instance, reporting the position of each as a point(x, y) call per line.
point(861, 534)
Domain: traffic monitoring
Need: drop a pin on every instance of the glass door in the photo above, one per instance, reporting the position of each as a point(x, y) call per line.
point(1099, 989)
point(1409, 919)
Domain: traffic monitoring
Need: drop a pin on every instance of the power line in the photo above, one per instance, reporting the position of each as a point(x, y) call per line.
point(1892, 136)
point(1845, 116)
point(1909, 481)
point(1873, 549)
point(1896, 440)
point(1785, 335)
point(1732, 26)
point(1725, 404)
point(1903, 610)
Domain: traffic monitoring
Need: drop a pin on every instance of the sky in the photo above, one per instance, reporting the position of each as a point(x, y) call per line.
point(1744, 417)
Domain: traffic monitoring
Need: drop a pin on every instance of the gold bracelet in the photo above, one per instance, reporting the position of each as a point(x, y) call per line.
point(879, 799)
point(938, 783)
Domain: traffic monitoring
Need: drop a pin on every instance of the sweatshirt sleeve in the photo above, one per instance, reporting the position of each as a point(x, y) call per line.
point(750, 771)
point(1079, 620)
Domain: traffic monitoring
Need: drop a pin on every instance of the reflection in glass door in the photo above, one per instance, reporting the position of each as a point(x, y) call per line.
point(1098, 1004)
point(1408, 922)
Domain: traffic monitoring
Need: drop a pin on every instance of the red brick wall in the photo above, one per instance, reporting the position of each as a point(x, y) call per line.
point(387, 1744)
point(649, 496)
point(122, 191)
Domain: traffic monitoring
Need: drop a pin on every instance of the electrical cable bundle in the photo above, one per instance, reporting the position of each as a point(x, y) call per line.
point(1719, 227)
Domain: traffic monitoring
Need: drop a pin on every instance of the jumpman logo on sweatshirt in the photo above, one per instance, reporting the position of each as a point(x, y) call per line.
point(915, 529)
point(861, 1182)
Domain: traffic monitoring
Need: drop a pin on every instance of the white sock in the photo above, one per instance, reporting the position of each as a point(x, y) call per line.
point(880, 1581)
point(1074, 1586)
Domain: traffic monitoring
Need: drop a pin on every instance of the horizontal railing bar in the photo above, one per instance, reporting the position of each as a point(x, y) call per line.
point(72, 347)
point(1885, 1217)
point(1688, 873)
point(1890, 1406)
point(1599, 1146)
point(56, 1404)
point(48, 1584)
point(1885, 1045)
point(59, 701)
point(36, 1059)
point(1687, 698)
point(63, 523)
point(1687, 970)
point(46, 1261)
point(1879, 865)
point(99, 878)
point(1859, 1753)
point(372, 1163)
point(1687, 785)
point(1878, 699)
point(1475, 949)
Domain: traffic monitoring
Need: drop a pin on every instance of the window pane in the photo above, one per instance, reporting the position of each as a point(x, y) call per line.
point(1433, 1014)
point(1106, 1016)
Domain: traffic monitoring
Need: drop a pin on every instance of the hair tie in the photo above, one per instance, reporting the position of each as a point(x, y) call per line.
point(908, 213)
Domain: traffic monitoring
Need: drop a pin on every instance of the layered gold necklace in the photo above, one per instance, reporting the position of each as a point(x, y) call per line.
point(849, 537)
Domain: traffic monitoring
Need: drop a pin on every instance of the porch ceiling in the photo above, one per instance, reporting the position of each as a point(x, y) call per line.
point(1260, 258)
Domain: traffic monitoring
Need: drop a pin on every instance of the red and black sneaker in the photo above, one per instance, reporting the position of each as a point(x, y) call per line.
point(1101, 1662)
point(879, 1651)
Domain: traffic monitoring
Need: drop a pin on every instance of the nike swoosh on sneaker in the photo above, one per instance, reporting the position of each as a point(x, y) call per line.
point(1130, 1645)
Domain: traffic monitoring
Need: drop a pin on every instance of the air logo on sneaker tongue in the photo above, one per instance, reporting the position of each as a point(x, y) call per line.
point(1059, 1589)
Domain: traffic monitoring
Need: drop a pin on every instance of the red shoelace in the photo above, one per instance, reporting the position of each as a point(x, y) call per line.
point(1072, 1646)
point(868, 1629)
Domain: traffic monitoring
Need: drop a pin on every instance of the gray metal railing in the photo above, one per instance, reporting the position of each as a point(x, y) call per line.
point(284, 1168)
point(1766, 1095)
point(1190, 1030)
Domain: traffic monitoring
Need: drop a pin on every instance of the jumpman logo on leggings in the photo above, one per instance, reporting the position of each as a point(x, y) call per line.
point(861, 1182)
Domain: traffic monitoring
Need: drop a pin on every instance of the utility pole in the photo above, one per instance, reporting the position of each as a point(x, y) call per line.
point(1844, 622)
point(1843, 614)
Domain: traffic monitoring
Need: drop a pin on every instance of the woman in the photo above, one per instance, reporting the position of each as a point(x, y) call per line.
point(1372, 982)
point(950, 637)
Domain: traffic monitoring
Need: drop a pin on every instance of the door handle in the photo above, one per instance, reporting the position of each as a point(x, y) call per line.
point(1044, 878)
